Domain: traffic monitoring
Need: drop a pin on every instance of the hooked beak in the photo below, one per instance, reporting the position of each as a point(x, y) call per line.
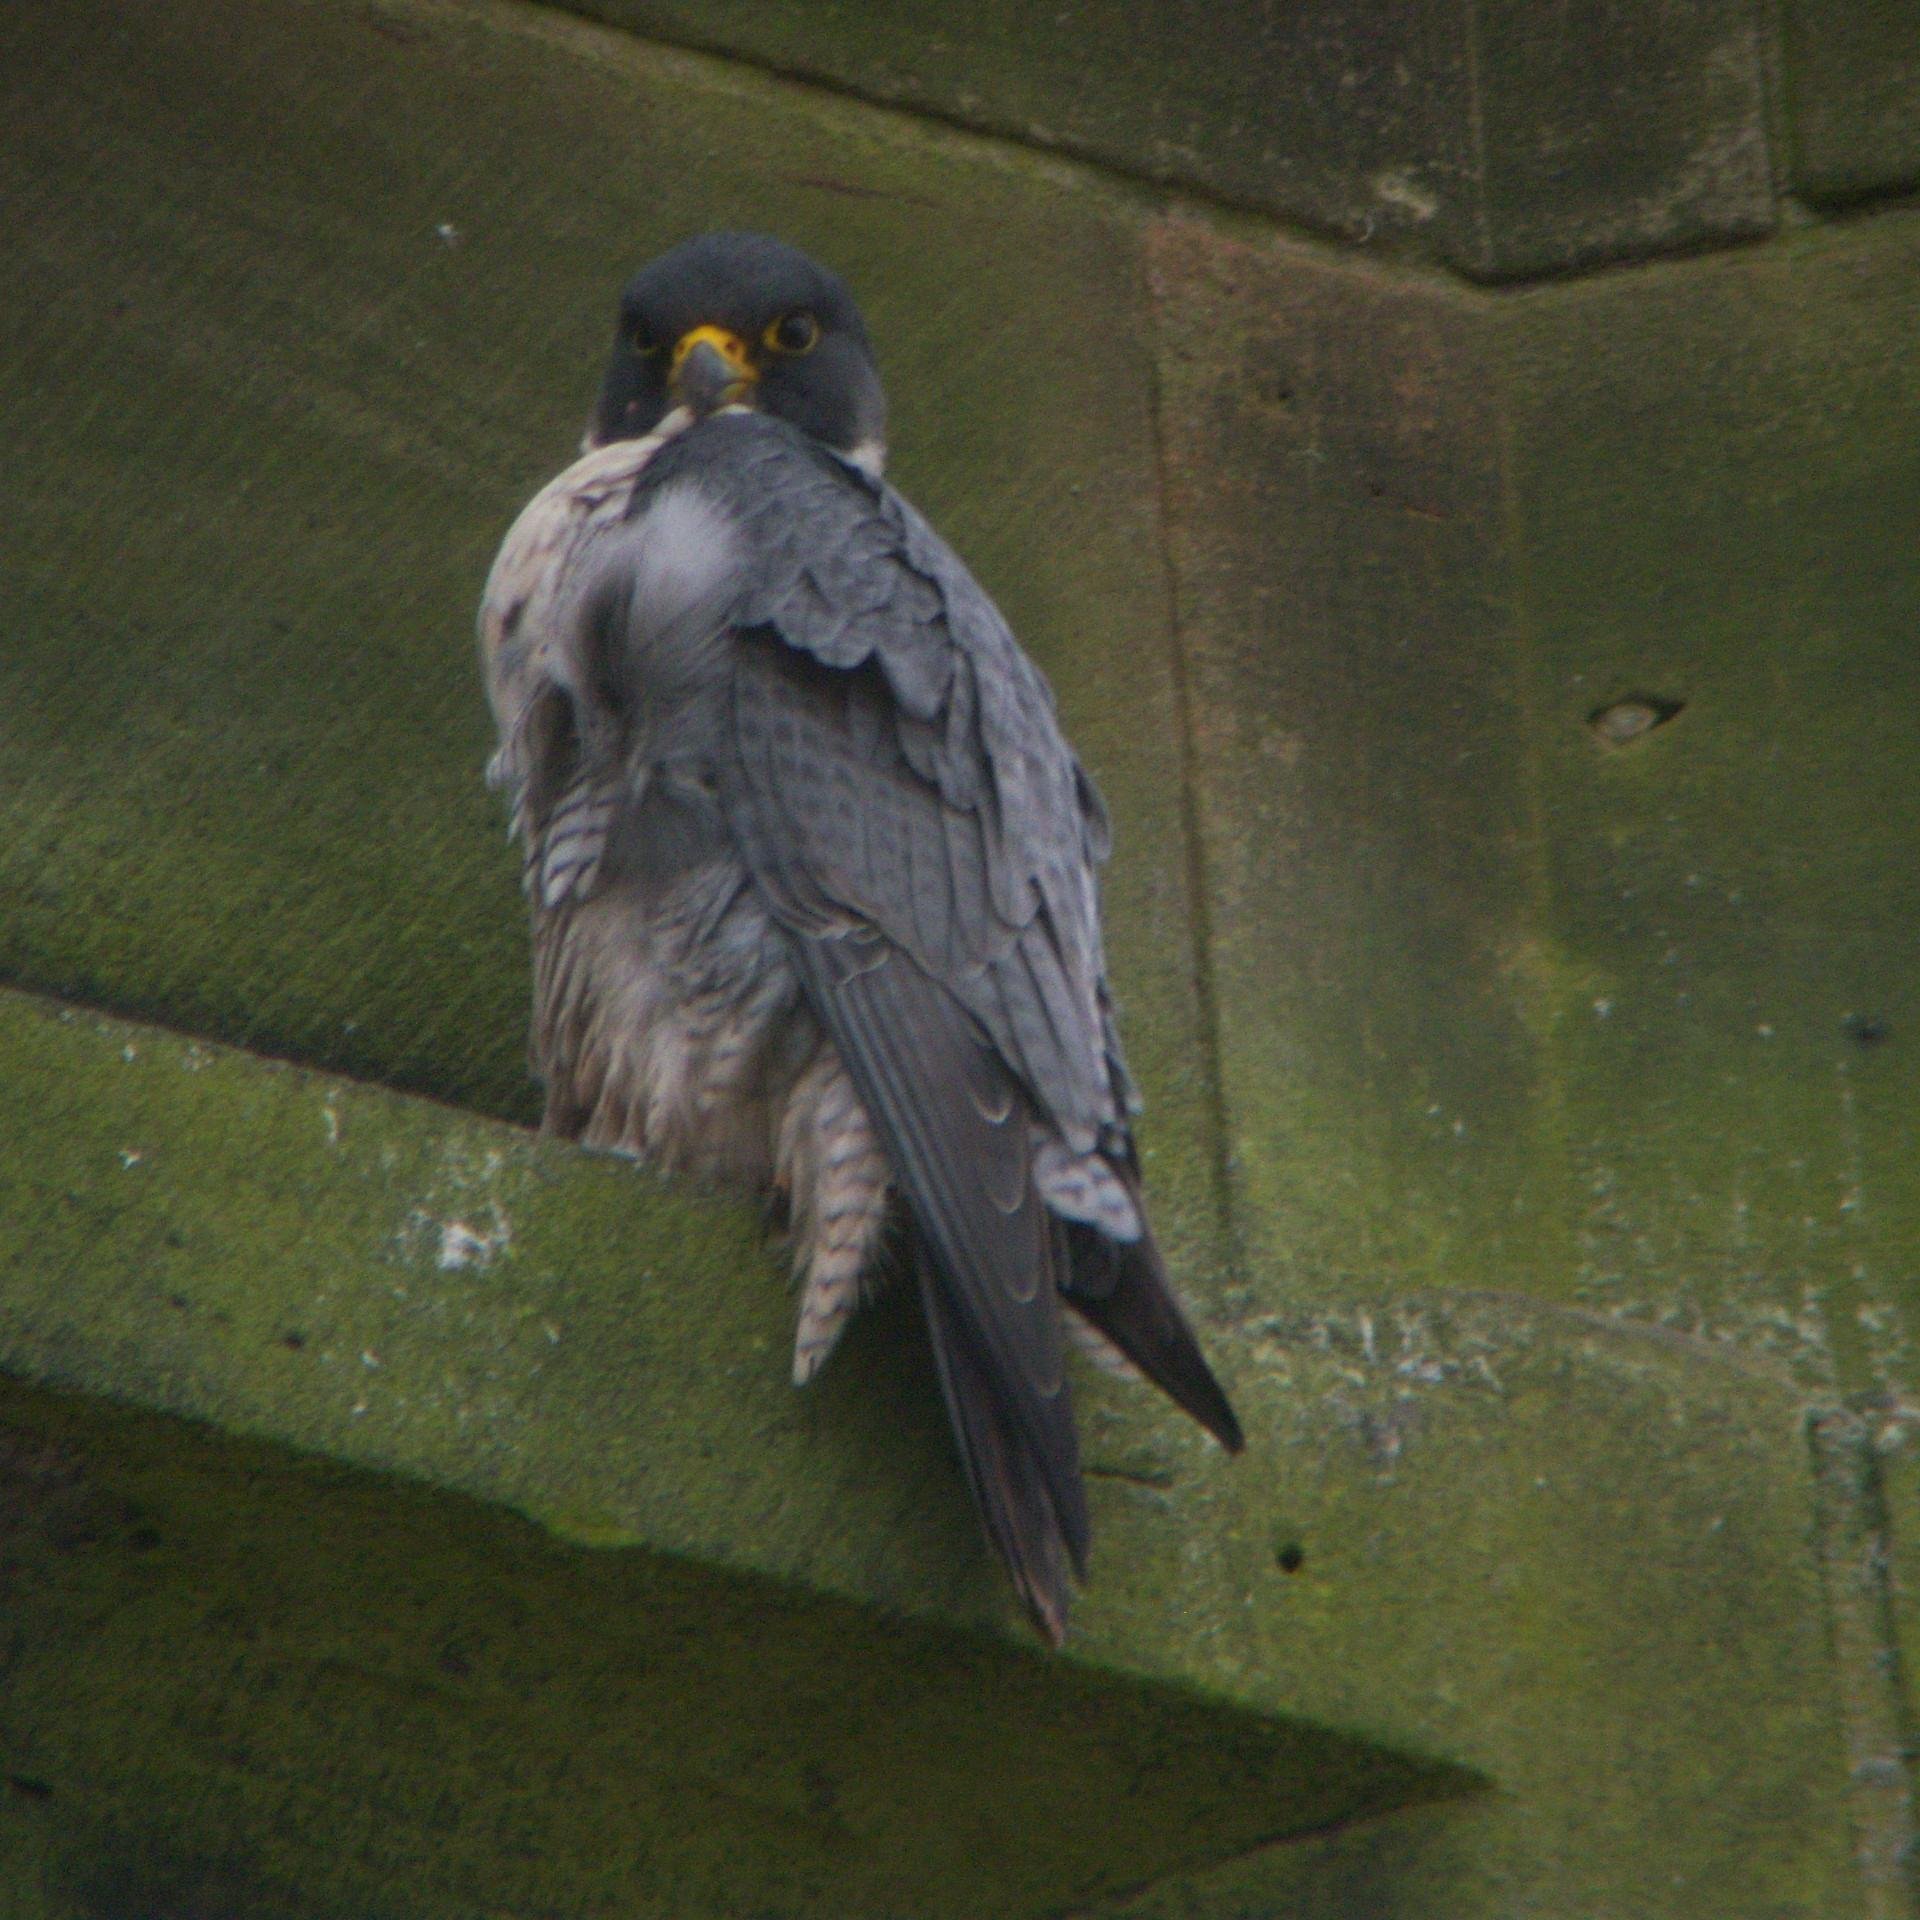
point(711, 369)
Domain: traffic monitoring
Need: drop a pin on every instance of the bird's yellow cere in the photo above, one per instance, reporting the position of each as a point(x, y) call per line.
point(730, 347)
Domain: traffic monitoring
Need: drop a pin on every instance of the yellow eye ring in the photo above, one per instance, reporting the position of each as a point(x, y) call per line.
point(797, 332)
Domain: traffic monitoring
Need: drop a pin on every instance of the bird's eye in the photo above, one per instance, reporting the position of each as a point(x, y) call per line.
point(794, 333)
point(644, 344)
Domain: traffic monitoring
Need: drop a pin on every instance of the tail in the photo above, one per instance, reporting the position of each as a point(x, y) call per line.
point(1122, 1288)
point(958, 1133)
point(1027, 1487)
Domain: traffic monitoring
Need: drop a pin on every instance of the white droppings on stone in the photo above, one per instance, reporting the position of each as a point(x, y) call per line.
point(462, 1245)
point(456, 1222)
point(1397, 188)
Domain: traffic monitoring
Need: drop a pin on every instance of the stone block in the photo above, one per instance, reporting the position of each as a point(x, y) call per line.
point(1524, 984)
point(1505, 140)
point(1616, 130)
point(1639, 993)
point(1713, 470)
point(1852, 83)
point(1353, 120)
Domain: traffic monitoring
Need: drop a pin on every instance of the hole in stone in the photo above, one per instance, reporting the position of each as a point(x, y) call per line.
point(1634, 715)
point(1292, 1557)
point(29, 1789)
point(1273, 389)
point(293, 1342)
point(1867, 1030)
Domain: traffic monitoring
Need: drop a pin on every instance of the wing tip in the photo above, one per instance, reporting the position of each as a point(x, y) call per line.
point(1228, 1432)
point(1129, 1299)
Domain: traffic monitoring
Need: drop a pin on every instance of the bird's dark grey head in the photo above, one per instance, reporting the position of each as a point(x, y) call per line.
point(743, 319)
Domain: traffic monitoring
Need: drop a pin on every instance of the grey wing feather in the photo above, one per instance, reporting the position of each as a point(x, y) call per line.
point(939, 801)
point(960, 1129)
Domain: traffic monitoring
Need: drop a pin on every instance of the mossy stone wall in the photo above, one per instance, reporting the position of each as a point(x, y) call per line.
point(1508, 701)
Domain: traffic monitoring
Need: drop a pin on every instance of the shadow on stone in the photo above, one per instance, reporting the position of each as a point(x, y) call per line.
point(241, 1682)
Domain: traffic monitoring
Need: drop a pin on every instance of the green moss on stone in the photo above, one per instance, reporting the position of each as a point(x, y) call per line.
point(241, 1669)
point(1528, 1296)
point(1619, 1023)
point(1501, 1007)
point(1714, 472)
point(1569, 1556)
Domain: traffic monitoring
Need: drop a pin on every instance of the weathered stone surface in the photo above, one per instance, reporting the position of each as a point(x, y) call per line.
point(1715, 475)
point(1505, 1000)
point(1611, 131)
point(1507, 141)
point(1354, 120)
point(243, 1684)
point(1497, 990)
point(1525, 1270)
point(1522, 1542)
point(1718, 473)
point(1333, 487)
point(253, 1666)
point(1852, 84)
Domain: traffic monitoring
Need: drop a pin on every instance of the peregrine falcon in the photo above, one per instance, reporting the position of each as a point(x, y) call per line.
point(811, 869)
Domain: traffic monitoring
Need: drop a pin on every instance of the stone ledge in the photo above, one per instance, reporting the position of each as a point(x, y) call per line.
point(1527, 1541)
point(252, 1683)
